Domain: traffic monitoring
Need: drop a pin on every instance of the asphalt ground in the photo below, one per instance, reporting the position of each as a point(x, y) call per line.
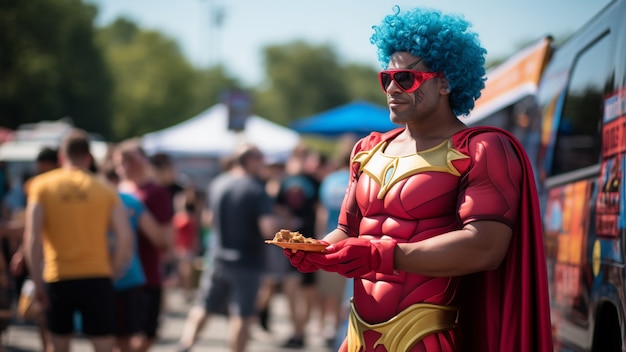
point(20, 337)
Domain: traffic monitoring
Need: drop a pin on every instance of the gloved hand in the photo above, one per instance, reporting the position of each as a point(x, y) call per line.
point(356, 257)
point(299, 259)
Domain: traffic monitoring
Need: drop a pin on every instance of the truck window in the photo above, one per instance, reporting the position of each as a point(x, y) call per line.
point(578, 142)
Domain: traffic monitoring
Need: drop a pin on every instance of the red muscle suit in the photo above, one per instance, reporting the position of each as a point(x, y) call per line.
point(478, 174)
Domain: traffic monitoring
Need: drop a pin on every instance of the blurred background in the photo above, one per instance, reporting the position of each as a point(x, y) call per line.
point(125, 69)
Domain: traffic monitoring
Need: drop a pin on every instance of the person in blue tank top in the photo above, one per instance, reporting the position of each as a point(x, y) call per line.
point(129, 295)
point(134, 276)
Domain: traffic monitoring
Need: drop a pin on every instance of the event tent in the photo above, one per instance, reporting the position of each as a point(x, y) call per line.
point(207, 134)
point(359, 117)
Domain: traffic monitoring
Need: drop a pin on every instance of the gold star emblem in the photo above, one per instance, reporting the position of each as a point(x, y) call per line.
point(387, 170)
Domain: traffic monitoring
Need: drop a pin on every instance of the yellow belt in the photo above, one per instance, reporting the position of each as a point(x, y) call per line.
point(401, 332)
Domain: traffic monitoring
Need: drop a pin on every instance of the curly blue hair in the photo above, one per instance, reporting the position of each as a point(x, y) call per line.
point(445, 44)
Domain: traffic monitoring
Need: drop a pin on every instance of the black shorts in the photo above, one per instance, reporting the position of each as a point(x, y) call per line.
point(6, 300)
point(308, 279)
point(130, 312)
point(95, 300)
point(151, 310)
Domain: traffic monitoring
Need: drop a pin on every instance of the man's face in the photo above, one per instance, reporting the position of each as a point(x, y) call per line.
point(412, 106)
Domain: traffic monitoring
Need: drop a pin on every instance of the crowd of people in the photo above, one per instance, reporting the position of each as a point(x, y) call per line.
point(433, 229)
point(111, 237)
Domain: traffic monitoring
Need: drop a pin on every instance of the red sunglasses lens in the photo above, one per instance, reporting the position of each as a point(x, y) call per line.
point(385, 80)
point(407, 80)
point(404, 79)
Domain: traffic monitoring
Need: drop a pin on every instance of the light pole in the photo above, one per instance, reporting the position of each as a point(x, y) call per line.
point(216, 20)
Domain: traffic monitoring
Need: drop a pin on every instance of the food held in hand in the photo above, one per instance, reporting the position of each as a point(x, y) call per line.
point(293, 237)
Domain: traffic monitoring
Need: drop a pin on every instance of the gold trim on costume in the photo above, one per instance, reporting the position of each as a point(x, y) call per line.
point(388, 170)
point(402, 332)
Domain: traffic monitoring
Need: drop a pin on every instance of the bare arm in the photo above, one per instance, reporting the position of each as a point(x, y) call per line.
point(161, 236)
point(479, 246)
point(123, 233)
point(335, 236)
point(33, 251)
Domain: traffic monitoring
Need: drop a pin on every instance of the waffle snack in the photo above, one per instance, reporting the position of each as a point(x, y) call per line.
point(295, 241)
point(293, 237)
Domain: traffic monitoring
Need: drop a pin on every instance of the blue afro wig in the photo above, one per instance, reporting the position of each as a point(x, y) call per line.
point(445, 44)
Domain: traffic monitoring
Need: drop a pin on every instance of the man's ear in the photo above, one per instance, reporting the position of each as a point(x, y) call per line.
point(444, 88)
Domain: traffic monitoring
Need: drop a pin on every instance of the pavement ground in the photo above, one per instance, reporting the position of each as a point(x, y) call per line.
point(214, 338)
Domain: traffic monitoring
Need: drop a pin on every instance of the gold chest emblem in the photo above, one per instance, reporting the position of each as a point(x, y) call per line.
point(388, 170)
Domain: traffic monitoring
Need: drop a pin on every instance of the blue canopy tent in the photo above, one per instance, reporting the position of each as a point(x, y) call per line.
point(359, 118)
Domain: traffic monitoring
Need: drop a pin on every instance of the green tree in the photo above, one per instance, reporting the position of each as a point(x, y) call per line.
point(301, 80)
point(362, 83)
point(151, 78)
point(50, 66)
point(209, 86)
point(155, 85)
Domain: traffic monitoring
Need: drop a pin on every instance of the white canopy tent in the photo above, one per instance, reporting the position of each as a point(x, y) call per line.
point(207, 134)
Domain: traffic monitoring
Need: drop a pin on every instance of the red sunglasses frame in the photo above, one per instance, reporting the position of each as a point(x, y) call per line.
point(419, 77)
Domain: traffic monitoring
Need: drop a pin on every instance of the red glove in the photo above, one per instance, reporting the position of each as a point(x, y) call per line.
point(356, 257)
point(299, 260)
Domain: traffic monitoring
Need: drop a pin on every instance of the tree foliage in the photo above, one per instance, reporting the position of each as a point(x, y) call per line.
point(50, 66)
point(304, 79)
point(123, 81)
point(301, 80)
point(362, 82)
point(155, 85)
point(150, 76)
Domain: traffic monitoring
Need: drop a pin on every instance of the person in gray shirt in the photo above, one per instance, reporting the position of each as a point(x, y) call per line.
point(242, 217)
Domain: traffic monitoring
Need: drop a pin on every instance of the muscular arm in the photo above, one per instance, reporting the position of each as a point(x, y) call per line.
point(489, 205)
point(33, 251)
point(479, 246)
point(335, 236)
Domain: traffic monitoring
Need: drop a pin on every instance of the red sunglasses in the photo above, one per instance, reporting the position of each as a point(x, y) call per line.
point(408, 80)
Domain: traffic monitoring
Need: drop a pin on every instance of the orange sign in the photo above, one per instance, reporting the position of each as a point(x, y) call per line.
point(512, 80)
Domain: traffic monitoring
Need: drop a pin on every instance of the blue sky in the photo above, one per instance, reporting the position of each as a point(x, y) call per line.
point(249, 25)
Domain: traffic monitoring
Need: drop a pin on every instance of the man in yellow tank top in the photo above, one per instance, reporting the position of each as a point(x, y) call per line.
point(71, 260)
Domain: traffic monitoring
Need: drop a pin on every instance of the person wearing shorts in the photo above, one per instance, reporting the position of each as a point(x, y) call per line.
point(94, 298)
point(68, 216)
point(242, 218)
point(230, 289)
point(129, 293)
point(133, 167)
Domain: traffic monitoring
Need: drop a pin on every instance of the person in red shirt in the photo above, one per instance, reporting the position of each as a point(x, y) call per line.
point(186, 238)
point(134, 168)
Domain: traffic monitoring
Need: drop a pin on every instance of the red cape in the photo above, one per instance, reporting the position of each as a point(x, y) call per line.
point(521, 322)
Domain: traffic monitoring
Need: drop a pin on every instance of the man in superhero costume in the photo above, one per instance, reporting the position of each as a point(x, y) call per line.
point(440, 225)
